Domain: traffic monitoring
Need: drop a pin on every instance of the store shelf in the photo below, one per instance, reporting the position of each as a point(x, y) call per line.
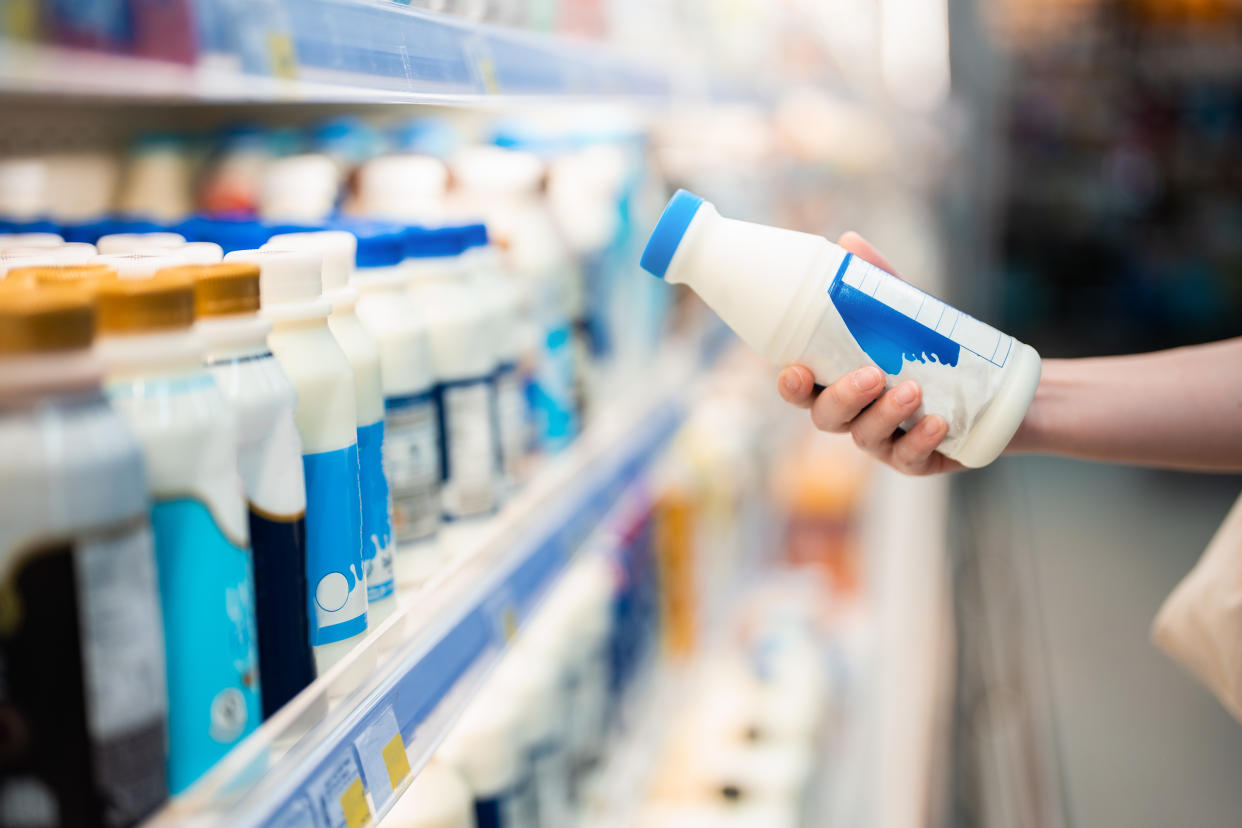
point(416, 671)
point(336, 51)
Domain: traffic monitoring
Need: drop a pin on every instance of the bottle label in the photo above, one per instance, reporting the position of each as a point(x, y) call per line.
point(279, 544)
point(207, 595)
point(467, 446)
point(412, 463)
point(894, 322)
point(376, 512)
point(337, 593)
point(551, 391)
point(82, 666)
point(510, 419)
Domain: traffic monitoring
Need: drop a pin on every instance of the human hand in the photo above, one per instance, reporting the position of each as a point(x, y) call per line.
point(857, 403)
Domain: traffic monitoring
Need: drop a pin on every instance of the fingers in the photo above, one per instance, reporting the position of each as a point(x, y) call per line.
point(839, 404)
point(863, 249)
point(873, 430)
point(796, 385)
point(915, 451)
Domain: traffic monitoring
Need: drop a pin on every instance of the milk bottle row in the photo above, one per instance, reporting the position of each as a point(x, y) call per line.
point(217, 476)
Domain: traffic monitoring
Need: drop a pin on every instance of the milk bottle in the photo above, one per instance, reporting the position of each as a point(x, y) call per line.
point(411, 429)
point(81, 651)
point(338, 249)
point(155, 378)
point(465, 362)
point(291, 297)
point(798, 298)
point(437, 798)
point(269, 454)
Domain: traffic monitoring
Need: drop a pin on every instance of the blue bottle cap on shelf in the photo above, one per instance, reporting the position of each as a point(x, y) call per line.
point(380, 243)
point(434, 242)
point(91, 231)
point(474, 235)
point(230, 233)
point(668, 231)
point(32, 226)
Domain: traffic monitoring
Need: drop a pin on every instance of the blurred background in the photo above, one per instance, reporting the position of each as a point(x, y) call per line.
point(1069, 170)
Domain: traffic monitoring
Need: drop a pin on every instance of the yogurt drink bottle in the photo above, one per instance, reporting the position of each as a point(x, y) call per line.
point(291, 296)
point(798, 298)
point(81, 651)
point(269, 454)
point(155, 378)
point(411, 428)
point(338, 249)
point(464, 359)
point(437, 798)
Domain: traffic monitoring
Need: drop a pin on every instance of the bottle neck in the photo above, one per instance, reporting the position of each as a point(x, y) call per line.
point(145, 354)
point(27, 379)
point(231, 337)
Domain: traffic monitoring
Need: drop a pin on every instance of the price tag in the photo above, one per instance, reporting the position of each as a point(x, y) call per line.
point(381, 752)
point(339, 796)
point(281, 56)
point(298, 813)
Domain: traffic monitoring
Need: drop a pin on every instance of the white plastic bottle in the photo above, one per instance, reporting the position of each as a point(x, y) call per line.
point(798, 298)
point(139, 265)
point(532, 684)
point(269, 454)
point(338, 249)
point(411, 429)
point(291, 297)
point(81, 647)
point(437, 798)
point(482, 271)
point(486, 748)
point(464, 357)
point(156, 379)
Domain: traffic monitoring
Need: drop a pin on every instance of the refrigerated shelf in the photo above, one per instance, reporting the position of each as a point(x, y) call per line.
point(359, 734)
point(337, 51)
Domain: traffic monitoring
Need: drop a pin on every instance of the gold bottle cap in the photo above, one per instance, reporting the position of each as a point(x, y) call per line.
point(160, 303)
point(47, 319)
point(224, 289)
point(88, 276)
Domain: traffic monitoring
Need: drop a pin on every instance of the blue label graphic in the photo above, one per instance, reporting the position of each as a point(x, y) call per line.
point(551, 392)
point(376, 512)
point(207, 597)
point(337, 598)
point(887, 335)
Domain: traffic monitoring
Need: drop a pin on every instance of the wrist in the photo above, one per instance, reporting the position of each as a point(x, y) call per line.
point(1033, 434)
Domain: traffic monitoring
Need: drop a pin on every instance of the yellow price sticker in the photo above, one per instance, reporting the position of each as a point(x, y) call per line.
point(487, 71)
point(280, 53)
point(396, 761)
point(354, 805)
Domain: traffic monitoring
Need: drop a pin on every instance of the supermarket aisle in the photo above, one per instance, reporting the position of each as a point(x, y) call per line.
point(1142, 744)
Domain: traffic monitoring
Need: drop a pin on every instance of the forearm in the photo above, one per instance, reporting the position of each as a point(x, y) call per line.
point(1178, 409)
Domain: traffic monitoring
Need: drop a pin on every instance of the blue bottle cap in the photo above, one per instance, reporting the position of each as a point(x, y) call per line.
point(230, 233)
point(474, 235)
point(434, 242)
point(380, 243)
point(668, 232)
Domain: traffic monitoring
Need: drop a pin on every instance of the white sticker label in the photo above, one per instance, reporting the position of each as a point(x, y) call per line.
point(412, 464)
point(122, 644)
point(511, 421)
point(470, 449)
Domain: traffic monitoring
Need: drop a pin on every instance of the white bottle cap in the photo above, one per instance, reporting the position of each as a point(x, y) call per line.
point(133, 242)
point(27, 257)
point(497, 170)
point(337, 247)
point(194, 252)
point(139, 265)
point(437, 798)
point(402, 186)
point(290, 282)
point(23, 188)
point(13, 241)
point(299, 188)
point(74, 253)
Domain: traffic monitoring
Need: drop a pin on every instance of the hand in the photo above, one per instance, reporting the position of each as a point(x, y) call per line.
point(857, 403)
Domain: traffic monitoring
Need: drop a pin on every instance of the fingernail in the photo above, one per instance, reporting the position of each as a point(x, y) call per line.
point(866, 379)
point(932, 425)
point(790, 382)
point(906, 393)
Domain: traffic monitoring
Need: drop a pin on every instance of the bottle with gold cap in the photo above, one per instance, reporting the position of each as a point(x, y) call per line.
point(81, 650)
point(338, 248)
point(154, 375)
point(291, 296)
point(269, 452)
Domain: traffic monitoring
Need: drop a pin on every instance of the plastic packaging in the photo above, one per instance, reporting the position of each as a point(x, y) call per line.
point(81, 646)
point(156, 379)
point(291, 296)
point(464, 357)
point(798, 298)
point(269, 454)
point(338, 249)
point(411, 428)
